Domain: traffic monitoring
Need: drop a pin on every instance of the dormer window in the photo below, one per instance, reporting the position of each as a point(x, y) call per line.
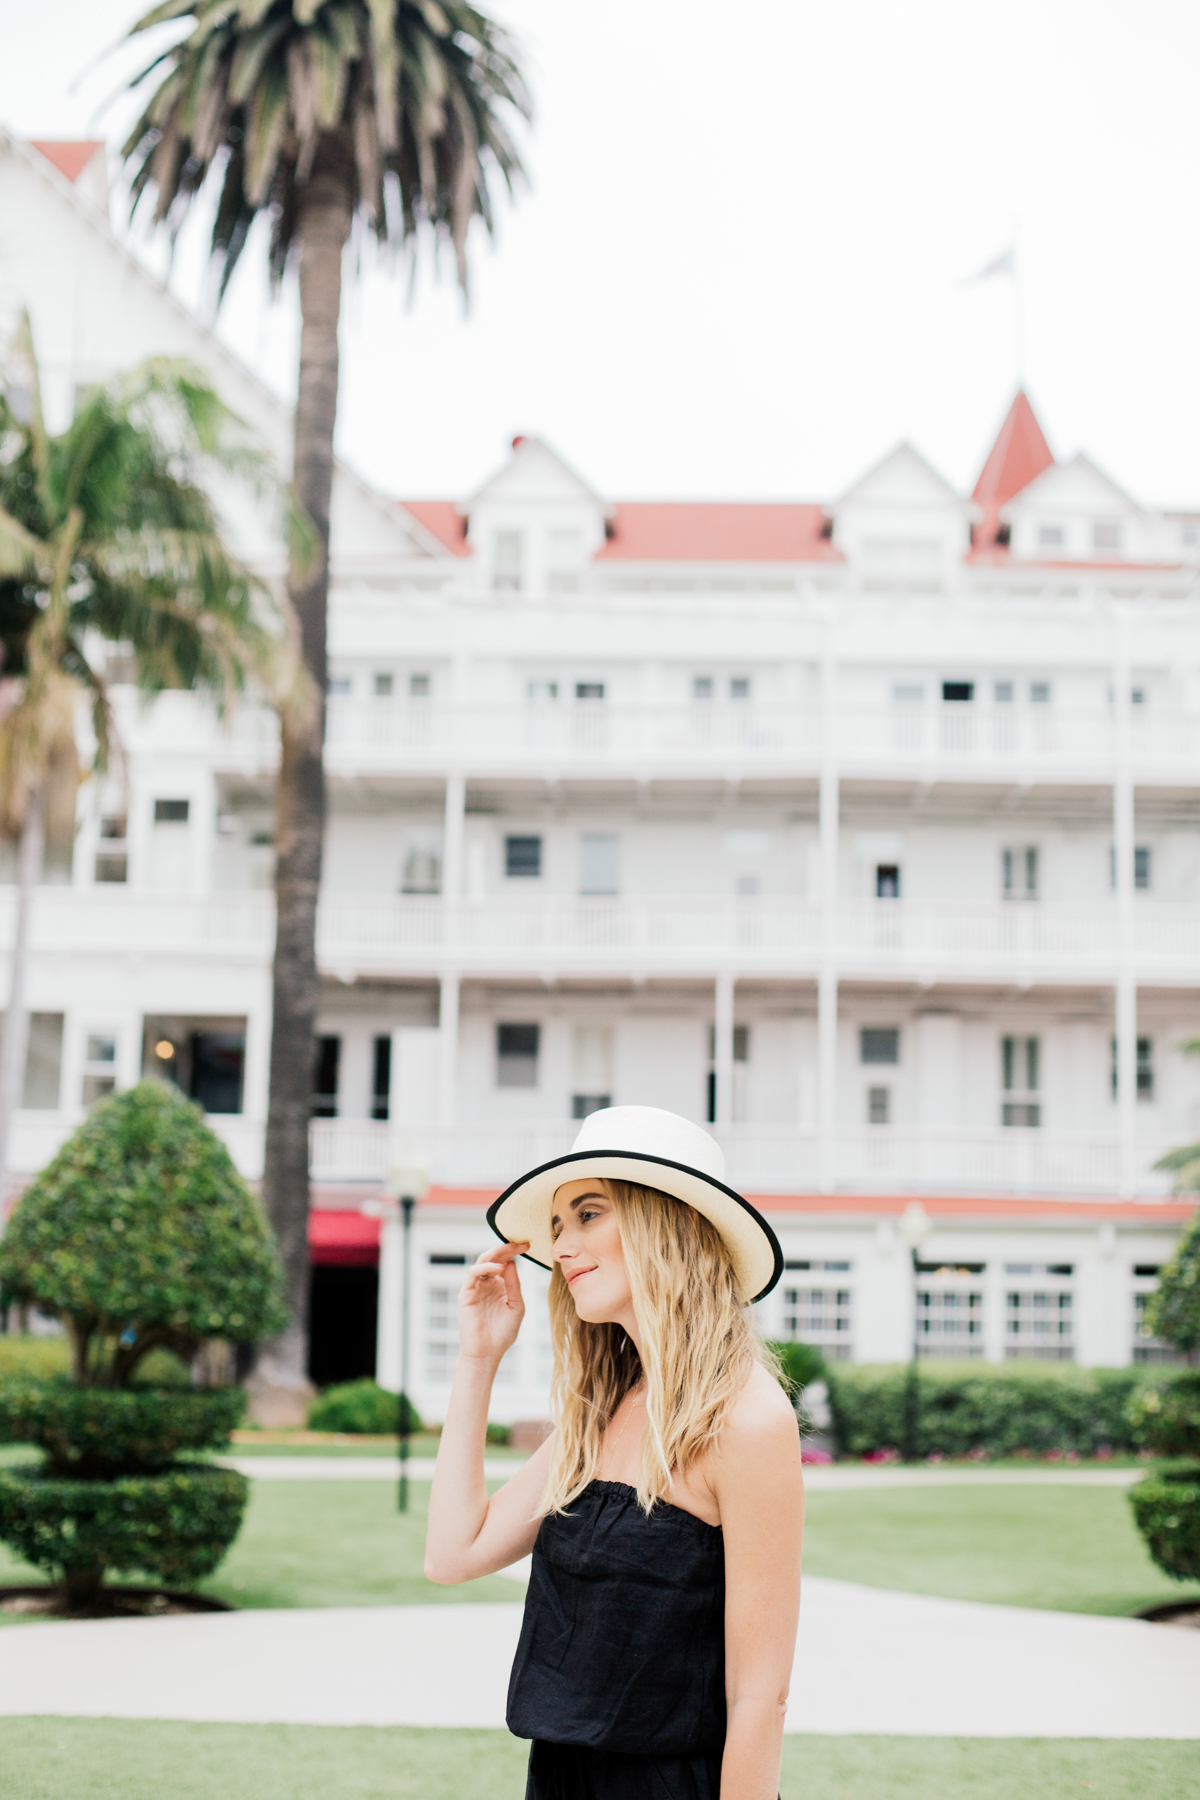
point(1051, 537)
point(1106, 535)
point(563, 557)
point(506, 562)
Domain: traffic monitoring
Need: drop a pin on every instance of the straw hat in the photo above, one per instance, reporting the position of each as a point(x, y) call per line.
point(656, 1149)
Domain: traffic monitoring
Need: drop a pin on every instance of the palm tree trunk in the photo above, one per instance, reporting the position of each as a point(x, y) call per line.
point(15, 1047)
point(323, 228)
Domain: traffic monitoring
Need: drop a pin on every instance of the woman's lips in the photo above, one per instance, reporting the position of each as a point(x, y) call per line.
point(572, 1279)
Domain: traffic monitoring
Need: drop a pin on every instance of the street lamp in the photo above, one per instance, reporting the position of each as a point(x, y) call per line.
point(406, 1181)
point(913, 1226)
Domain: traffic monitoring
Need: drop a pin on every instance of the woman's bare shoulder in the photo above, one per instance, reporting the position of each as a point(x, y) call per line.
point(761, 1414)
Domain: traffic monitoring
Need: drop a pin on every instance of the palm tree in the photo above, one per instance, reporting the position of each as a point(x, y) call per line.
point(106, 531)
point(318, 114)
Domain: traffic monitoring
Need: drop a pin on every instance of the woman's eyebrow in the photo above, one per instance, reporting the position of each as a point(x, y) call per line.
point(582, 1197)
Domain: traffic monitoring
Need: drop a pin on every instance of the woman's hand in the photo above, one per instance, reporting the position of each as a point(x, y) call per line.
point(490, 1307)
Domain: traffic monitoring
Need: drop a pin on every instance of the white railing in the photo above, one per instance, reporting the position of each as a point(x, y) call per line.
point(409, 934)
point(931, 737)
point(773, 1158)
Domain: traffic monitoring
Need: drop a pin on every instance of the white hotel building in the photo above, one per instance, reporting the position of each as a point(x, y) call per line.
point(869, 831)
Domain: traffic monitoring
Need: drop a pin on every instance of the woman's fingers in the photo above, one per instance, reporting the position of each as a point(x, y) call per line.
point(492, 1273)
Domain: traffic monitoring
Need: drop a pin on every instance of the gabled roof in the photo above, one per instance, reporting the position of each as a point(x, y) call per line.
point(443, 521)
point(70, 157)
point(717, 531)
point(903, 478)
point(1019, 454)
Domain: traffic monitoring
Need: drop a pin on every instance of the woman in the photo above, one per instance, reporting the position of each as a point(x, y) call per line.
point(665, 1512)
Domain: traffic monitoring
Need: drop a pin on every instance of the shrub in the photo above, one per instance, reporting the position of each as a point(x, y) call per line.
point(175, 1526)
point(361, 1408)
point(36, 1356)
point(141, 1233)
point(1174, 1309)
point(498, 1434)
point(1001, 1409)
point(1166, 1506)
point(101, 1432)
point(1166, 1416)
point(799, 1366)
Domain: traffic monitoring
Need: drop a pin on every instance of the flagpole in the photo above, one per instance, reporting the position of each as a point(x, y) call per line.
point(1018, 311)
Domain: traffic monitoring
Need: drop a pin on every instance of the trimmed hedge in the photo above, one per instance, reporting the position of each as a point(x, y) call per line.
point(799, 1366)
point(1002, 1410)
point(361, 1408)
point(1166, 1416)
point(99, 1432)
point(175, 1526)
point(1166, 1506)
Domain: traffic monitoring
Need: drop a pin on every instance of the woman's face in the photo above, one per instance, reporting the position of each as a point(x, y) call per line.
point(588, 1250)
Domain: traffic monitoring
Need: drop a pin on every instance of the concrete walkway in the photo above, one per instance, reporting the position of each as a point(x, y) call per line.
point(819, 1477)
point(868, 1661)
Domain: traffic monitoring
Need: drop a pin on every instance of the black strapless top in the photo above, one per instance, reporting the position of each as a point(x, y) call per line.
point(623, 1642)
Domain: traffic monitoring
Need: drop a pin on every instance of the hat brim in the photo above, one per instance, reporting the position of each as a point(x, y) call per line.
point(522, 1213)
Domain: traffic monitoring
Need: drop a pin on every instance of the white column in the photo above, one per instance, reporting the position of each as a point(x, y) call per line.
point(452, 841)
point(827, 981)
point(723, 1050)
point(1126, 982)
point(387, 1330)
point(447, 1050)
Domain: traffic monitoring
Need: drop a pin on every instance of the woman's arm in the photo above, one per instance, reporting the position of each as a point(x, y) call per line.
point(757, 1481)
point(471, 1533)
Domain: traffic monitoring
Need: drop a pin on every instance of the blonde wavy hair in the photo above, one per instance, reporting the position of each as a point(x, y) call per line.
point(698, 1347)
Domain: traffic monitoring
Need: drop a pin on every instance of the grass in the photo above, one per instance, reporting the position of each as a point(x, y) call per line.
point(324, 1543)
point(1071, 1549)
point(114, 1759)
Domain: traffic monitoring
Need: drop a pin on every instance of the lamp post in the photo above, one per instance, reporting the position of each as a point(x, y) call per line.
point(406, 1182)
point(913, 1226)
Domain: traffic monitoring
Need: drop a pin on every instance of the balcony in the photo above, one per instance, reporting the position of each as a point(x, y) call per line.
point(400, 935)
point(768, 1159)
point(927, 740)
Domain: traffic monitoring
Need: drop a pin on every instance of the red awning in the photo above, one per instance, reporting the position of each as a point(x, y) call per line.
point(344, 1239)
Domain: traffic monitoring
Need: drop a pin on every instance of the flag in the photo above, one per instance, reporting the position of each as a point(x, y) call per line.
point(1004, 264)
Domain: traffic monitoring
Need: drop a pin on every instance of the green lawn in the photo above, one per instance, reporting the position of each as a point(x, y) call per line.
point(1072, 1549)
point(111, 1759)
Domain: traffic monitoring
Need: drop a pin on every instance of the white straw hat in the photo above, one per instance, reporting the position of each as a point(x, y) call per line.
point(653, 1148)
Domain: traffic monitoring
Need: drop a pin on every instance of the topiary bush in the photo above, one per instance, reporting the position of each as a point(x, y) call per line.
point(143, 1239)
point(361, 1408)
point(1166, 1508)
point(1003, 1409)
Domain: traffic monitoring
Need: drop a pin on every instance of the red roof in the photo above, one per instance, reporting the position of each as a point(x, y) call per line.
point(442, 519)
point(1019, 454)
point(345, 1238)
point(70, 158)
point(718, 531)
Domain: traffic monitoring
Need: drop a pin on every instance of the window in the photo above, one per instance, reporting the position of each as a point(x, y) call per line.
point(589, 690)
point(1051, 537)
point(879, 1044)
point(43, 1063)
point(1019, 873)
point(421, 869)
point(591, 1069)
point(338, 686)
point(1137, 696)
point(1040, 693)
point(420, 686)
point(879, 1106)
point(702, 687)
point(1020, 1065)
point(441, 1334)
point(739, 687)
point(957, 692)
point(741, 1043)
point(204, 1056)
point(1145, 1068)
point(820, 1312)
point(1106, 535)
point(950, 1309)
point(564, 554)
point(1004, 692)
point(1039, 1308)
point(381, 1077)
point(112, 858)
point(522, 858)
point(1146, 1347)
point(454, 1259)
point(171, 812)
point(99, 1067)
point(599, 863)
point(1141, 866)
point(887, 881)
point(908, 693)
point(517, 1055)
point(384, 684)
point(506, 562)
point(327, 1058)
point(539, 691)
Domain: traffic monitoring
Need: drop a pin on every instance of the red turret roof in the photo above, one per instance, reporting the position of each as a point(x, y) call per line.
point(1018, 455)
point(69, 158)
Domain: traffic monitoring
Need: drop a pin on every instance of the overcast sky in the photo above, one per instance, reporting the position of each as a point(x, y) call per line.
point(739, 268)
